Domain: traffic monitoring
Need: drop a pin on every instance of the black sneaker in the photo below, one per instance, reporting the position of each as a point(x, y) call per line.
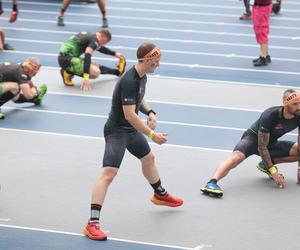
point(104, 22)
point(268, 58)
point(262, 61)
point(7, 46)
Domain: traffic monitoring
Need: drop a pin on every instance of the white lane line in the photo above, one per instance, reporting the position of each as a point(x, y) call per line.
point(102, 139)
point(191, 31)
point(105, 117)
point(156, 3)
point(162, 39)
point(193, 5)
point(181, 21)
point(198, 81)
point(197, 66)
point(77, 234)
point(162, 102)
point(182, 52)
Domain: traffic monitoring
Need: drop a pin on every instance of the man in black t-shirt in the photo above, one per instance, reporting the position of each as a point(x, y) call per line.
point(16, 84)
point(76, 53)
point(262, 139)
point(123, 130)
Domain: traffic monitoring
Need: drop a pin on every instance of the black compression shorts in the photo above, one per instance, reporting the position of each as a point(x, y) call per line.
point(248, 146)
point(118, 139)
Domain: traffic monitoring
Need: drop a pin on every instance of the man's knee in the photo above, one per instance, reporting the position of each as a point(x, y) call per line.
point(12, 87)
point(94, 71)
point(108, 174)
point(149, 158)
point(237, 157)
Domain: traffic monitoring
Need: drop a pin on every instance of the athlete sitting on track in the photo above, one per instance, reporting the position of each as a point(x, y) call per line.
point(16, 84)
point(75, 57)
point(262, 139)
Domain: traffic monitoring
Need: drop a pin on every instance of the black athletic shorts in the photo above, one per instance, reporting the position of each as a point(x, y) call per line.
point(118, 139)
point(64, 61)
point(248, 145)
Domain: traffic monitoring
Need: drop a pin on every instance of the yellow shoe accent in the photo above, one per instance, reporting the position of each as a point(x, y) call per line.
point(67, 78)
point(121, 66)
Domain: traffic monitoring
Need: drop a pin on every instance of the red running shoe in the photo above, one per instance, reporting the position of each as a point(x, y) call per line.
point(166, 200)
point(93, 231)
point(13, 16)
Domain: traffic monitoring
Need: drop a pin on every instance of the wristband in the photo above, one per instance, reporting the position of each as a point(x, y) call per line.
point(86, 76)
point(151, 134)
point(273, 170)
point(151, 111)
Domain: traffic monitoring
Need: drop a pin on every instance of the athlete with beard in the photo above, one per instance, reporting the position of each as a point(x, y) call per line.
point(262, 139)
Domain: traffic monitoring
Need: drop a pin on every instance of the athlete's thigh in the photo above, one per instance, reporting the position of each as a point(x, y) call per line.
point(281, 149)
point(115, 146)
point(138, 145)
point(247, 145)
point(9, 86)
point(76, 66)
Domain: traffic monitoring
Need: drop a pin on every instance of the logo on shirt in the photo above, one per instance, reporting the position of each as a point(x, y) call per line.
point(279, 126)
point(141, 90)
point(128, 99)
point(25, 77)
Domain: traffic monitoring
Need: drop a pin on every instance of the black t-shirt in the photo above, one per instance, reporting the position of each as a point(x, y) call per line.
point(12, 72)
point(272, 121)
point(87, 39)
point(129, 90)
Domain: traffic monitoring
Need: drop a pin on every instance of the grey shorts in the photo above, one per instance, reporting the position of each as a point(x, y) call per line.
point(118, 139)
point(248, 146)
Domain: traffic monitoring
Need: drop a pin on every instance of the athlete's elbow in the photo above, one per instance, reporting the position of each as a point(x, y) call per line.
point(129, 117)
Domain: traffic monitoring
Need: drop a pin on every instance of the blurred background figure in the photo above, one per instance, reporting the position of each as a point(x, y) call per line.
point(14, 12)
point(261, 12)
point(66, 3)
point(276, 7)
point(3, 45)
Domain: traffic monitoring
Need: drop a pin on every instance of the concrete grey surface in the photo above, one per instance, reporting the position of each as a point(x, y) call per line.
point(46, 183)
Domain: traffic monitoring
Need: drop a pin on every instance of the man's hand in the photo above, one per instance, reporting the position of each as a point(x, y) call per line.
point(119, 55)
point(159, 138)
point(279, 179)
point(85, 85)
point(151, 121)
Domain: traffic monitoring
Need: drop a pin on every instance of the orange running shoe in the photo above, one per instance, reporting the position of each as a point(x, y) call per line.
point(93, 231)
point(13, 16)
point(166, 200)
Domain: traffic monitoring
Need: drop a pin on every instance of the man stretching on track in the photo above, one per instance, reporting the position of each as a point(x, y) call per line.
point(262, 139)
point(16, 84)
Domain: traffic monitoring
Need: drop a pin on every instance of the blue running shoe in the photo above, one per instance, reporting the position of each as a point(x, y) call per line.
point(212, 189)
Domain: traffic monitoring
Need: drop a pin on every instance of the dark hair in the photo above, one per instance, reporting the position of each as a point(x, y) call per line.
point(106, 32)
point(143, 49)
